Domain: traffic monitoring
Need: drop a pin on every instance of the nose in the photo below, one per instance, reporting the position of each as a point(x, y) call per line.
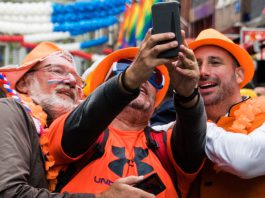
point(70, 80)
point(204, 70)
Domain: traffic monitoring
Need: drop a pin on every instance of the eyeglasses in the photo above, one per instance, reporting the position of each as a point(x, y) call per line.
point(58, 72)
point(157, 79)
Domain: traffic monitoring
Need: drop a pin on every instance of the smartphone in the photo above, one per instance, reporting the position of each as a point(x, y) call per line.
point(166, 18)
point(152, 184)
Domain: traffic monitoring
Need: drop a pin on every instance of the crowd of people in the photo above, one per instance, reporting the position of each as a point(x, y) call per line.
point(183, 118)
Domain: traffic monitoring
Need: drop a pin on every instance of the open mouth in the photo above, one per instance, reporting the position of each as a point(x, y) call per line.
point(207, 85)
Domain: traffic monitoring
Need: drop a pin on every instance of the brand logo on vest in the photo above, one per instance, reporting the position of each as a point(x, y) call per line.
point(102, 180)
point(117, 166)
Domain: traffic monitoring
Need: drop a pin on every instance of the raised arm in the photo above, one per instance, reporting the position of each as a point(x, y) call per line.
point(84, 125)
point(89, 119)
point(188, 138)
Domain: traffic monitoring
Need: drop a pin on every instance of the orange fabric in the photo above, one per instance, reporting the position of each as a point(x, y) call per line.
point(13, 74)
point(98, 75)
point(36, 110)
point(245, 116)
point(55, 137)
point(218, 184)
point(56, 159)
point(185, 178)
point(38, 113)
point(213, 37)
point(224, 185)
point(125, 151)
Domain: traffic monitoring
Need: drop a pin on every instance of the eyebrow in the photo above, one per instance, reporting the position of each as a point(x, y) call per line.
point(36, 68)
point(214, 57)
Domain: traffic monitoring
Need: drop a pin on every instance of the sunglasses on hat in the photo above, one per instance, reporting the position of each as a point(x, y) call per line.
point(157, 79)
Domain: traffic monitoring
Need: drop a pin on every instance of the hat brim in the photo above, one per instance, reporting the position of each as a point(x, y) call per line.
point(97, 76)
point(14, 74)
point(243, 58)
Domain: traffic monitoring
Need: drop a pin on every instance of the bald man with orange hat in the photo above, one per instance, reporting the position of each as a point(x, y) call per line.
point(235, 140)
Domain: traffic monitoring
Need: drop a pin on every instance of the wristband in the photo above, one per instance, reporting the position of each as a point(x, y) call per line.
point(185, 99)
point(132, 91)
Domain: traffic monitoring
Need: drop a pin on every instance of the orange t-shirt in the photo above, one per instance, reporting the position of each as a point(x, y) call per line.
point(126, 153)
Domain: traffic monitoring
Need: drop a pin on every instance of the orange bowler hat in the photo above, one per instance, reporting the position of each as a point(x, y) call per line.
point(41, 51)
point(213, 37)
point(98, 75)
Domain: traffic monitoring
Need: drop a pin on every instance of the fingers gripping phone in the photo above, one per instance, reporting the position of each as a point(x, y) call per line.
point(152, 184)
point(166, 18)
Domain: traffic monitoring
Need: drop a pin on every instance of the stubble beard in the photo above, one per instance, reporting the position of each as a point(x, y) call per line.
point(140, 109)
point(224, 92)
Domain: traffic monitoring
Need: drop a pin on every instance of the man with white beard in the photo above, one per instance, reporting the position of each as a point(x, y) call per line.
point(47, 86)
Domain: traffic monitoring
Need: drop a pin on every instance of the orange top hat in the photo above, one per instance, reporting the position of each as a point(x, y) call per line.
point(98, 75)
point(213, 37)
point(40, 52)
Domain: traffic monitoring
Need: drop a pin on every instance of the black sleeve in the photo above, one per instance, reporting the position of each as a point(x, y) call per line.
point(88, 120)
point(189, 136)
point(22, 171)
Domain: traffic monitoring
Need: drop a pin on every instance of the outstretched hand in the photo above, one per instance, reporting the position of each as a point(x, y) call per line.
point(122, 188)
point(184, 73)
point(146, 60)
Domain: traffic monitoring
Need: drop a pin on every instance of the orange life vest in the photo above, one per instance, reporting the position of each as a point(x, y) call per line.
point(219, 184)
point(126, 153)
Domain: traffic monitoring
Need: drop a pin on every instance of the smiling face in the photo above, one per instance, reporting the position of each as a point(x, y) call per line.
point(53, 84)
point(219, 76)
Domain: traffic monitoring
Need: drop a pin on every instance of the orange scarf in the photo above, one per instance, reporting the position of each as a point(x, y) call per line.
point(247, 113)
point(38, 113)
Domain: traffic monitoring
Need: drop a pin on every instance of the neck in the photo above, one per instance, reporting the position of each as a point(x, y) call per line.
point(215, 111)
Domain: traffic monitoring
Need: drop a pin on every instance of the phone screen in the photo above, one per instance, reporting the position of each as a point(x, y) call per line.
point(152, 184)
point(166, 18)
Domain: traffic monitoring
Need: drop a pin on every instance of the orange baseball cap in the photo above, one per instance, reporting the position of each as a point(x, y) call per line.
point(98, 75)
point(213, 37)
point(40, 52)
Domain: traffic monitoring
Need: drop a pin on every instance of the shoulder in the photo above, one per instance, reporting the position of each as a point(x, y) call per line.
point(13, 114)
point(10, 106)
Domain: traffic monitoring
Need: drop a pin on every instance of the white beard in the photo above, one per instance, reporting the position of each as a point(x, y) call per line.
point(52, 104)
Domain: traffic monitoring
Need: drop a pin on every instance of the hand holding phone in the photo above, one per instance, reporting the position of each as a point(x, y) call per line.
point(152, 184)
point(166, 18)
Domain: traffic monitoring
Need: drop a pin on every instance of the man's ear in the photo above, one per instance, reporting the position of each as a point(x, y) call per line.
point(22, 85)
point(240, 75)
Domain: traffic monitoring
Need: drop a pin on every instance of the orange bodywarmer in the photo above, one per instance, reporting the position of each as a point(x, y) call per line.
point(126, 153)
point(219, 184)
